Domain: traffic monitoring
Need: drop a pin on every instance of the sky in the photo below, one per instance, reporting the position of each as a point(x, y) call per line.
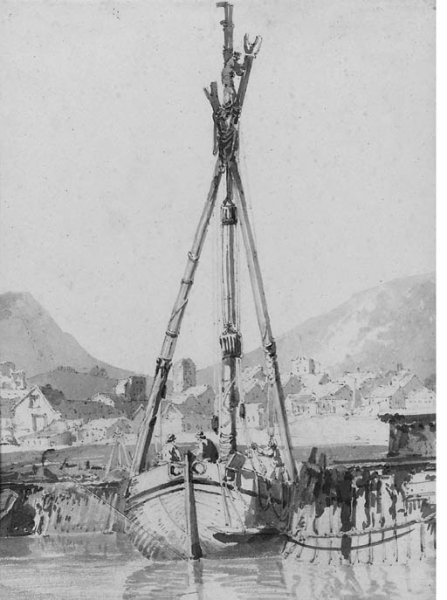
point(106, 160)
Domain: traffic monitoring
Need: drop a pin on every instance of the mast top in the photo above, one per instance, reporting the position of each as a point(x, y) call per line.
point(228, 27)
point(226, 113)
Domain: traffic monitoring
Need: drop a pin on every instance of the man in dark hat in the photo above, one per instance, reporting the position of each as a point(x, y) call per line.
point(206, 449)
point(170, 452)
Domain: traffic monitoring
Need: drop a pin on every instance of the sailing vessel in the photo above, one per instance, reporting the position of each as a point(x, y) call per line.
point(191, 508)
point(188, 508)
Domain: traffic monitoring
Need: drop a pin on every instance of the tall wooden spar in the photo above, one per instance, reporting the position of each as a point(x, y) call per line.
point(233, 214)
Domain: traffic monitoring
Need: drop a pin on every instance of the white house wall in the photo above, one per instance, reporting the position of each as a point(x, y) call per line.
point(28, 419)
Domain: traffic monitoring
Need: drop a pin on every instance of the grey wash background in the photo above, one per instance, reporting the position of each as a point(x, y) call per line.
point(106, 158)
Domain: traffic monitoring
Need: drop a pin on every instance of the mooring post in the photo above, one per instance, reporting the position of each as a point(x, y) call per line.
point(193, 549)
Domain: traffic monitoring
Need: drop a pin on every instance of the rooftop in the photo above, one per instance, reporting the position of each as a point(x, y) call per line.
point(7, 407)
point(196, 391)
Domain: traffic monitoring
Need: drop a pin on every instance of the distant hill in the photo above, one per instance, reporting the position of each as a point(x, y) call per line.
point(31, 339)
point(74, 385)
point(375, 329)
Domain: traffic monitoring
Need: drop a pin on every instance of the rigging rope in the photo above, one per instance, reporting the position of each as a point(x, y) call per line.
point(269, 408)
point(270, 412)
point(236, 275)
point(247, 190)
point(216, 310)
point(233, 502)
point(159, 445)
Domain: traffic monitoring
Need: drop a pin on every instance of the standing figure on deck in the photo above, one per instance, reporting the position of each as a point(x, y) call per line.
point(170, 452)
point(272, 451)
point(206, 449)
point(253, 455)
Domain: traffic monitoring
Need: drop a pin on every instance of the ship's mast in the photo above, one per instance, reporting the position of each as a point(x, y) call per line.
point(233, 211)
point(230, 338)
point(164, 362)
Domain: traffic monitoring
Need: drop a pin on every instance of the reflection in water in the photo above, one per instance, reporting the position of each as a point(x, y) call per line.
point(265, 579)
point(102, 566)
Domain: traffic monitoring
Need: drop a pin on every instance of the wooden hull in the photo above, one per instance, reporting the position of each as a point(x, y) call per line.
point(386, 526)
point(246, 512)
point(398, 544)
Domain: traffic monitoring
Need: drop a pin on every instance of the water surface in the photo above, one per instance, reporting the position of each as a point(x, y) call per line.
point(98, 566)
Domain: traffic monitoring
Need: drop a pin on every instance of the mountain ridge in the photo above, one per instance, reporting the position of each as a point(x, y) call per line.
point(30, 338)
point(374, 329)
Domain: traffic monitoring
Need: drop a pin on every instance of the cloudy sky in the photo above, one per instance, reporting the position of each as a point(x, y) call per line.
point(106, 159)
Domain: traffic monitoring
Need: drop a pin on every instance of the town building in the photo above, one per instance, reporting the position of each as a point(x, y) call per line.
point(335, 398)
point(137, 418)
point(196, 404)
point(132, 389)
point(356, 379)
point(367, 386)
point(310, 382)
point(293, 385)
point(57, 433)
point(6, 367)
point(171, 420)
point(302, 365)
point(6, 419)
point(13, 387)
point(104, 430)
point(184, 375)
point(256, 373)
point(420, 401)
point(315, 393)
point(108, 399)
point(11, 379)
point(36, 410)
point(255, 393)
point(43, 405)
point(303, 403)
point(255, 416)
point(392, 396)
